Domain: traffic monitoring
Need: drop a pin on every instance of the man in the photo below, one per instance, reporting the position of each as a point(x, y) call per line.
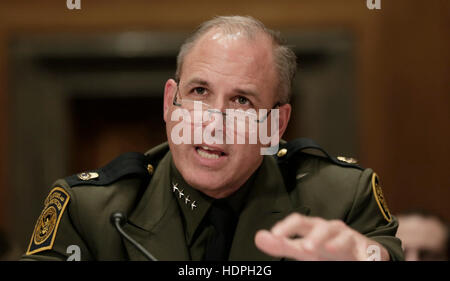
point(200, 200)
point(424, 236)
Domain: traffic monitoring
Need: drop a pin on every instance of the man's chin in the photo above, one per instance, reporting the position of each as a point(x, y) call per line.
point(211, 185)
point(204, 182)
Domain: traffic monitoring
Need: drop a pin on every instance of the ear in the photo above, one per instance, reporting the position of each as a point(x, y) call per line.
point(169, 92)
point(285, 115)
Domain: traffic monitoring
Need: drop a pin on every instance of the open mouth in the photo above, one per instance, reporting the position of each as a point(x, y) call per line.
point(209, 152)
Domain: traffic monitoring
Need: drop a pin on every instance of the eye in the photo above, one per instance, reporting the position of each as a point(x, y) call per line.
point(199, 90)
point(243, 100)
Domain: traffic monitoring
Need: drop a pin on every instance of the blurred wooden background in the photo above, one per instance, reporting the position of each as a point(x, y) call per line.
point(401, 62)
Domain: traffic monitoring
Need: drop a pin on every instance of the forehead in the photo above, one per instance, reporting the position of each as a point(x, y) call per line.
point(232, 55)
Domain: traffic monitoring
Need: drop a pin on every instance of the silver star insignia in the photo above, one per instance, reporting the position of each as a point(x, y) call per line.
point(302, 175)
point(180, 193)
point(193, 206)
point(187, 200)
point(175, 187)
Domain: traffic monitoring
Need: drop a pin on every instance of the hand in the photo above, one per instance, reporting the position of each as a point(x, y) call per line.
point(307, 238)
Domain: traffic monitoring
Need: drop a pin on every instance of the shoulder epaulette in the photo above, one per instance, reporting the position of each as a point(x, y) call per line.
point(128, 164)
point(289, 149)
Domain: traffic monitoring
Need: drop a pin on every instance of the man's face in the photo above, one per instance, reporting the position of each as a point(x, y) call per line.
point(228, 70)
point(423, 238)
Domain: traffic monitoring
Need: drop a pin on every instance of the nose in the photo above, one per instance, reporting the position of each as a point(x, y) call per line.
point(219, 105)
point(212, 127)
point(216, 112)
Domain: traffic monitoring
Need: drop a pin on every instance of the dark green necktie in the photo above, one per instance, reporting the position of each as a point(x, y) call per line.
point(223, 219)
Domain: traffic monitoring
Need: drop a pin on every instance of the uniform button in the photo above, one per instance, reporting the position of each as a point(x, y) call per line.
point(150, 169)
point(347, 159)
point(85, 176)
point(282, 152)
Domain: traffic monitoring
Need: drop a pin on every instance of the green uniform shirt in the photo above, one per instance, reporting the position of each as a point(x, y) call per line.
point(78, 209)
point(196, 226)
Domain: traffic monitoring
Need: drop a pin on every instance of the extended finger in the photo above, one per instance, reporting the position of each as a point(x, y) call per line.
point(280, 246)
point(321, 233)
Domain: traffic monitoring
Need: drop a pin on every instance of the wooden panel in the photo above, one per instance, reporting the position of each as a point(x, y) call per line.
point(4, 113)
point(407, 125)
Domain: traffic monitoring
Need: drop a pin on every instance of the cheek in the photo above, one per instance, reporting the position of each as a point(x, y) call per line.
point(244, 157)
point(180, 156)
point(179, 151)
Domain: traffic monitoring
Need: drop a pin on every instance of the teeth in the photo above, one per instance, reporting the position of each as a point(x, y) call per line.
point(206, 148)
point(207, 155)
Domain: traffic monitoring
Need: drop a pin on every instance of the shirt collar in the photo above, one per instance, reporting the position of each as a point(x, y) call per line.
point(193, 204)
point(186, 196)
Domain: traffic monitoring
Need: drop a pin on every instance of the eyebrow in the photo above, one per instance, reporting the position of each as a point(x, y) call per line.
point(197, 81)
point(247, 93)
point(244, 92)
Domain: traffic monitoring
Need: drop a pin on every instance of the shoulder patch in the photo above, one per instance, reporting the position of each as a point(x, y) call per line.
point(47, 224)
point(381, 201)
